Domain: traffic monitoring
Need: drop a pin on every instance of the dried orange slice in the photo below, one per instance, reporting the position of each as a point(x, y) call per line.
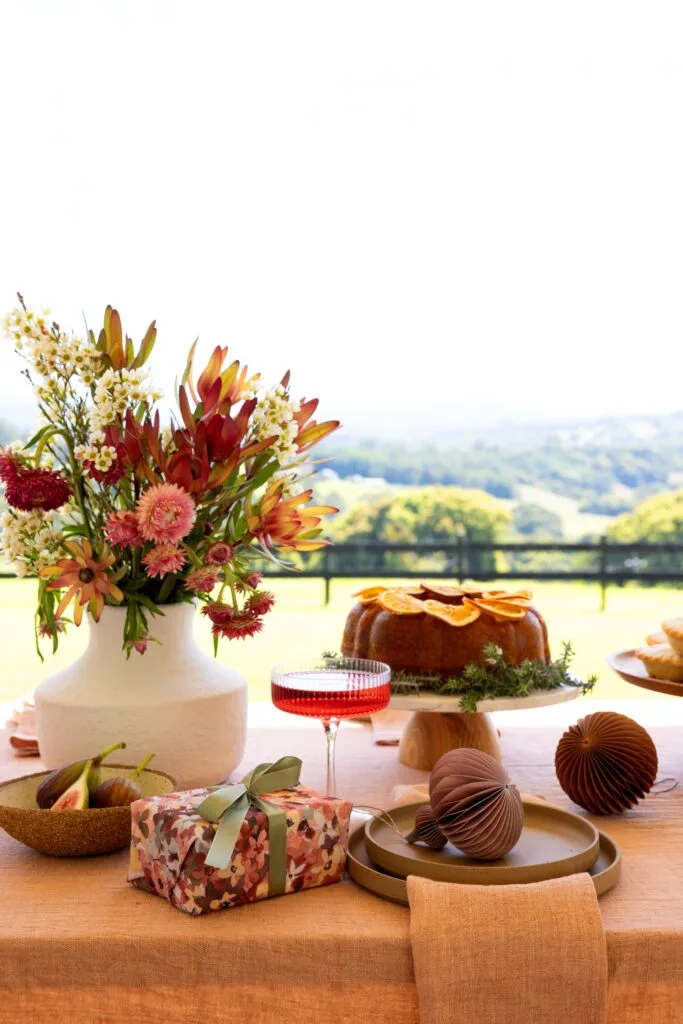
point(411, 591)
point(518, 597)
point(501, 611)
point(400, 604)
point(454, 614)
point(442, 590)
point(472, 590)
point(369, 595)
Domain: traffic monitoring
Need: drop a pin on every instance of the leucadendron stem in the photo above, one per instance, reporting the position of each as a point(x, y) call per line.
point(141, 767)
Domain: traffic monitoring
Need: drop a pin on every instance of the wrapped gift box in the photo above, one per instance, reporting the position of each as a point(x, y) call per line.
point(171, 841)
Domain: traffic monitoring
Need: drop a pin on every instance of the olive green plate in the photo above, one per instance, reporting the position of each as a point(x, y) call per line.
point(73, 833)
point(605, 871)
point(554, 843)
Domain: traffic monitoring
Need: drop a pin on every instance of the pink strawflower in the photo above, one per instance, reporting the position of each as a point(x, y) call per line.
point(164, 558)
point(122, 528)
point(253, 579)
point(165, 513)
point(231, 624)
point(45, 629)
point(260, 602)
point(219, 612)
point(241, 627)
point(202, 580)
point(219, 553)
point(141, 644)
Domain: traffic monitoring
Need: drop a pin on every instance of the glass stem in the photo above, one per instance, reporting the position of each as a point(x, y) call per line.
point(330, 725)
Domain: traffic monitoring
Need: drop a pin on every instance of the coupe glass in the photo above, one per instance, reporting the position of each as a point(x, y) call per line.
point(339, 688)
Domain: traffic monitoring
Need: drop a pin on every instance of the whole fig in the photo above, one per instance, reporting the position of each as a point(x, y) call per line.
point(120, 791)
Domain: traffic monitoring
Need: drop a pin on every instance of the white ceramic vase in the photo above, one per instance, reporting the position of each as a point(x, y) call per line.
point(174, 701)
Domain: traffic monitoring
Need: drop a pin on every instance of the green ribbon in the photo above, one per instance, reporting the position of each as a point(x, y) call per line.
point(228, 805)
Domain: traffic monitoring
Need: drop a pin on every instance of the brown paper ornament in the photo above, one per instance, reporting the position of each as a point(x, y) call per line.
point(426, 829)
point(474, 804)
point(606, 763)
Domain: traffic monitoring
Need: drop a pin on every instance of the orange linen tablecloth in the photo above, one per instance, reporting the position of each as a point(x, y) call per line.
point(79, 945)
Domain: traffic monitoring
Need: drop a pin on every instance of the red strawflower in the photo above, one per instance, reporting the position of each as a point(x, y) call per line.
point(37, 488)
point(9, 467)
point(261, 602)
point(253, 579)
point(219, 553)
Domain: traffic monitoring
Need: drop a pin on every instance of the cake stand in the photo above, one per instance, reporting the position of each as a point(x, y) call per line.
point(437, 723)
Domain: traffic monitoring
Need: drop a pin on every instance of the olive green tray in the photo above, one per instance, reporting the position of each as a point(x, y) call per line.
point(605, 872)
point(553, 843)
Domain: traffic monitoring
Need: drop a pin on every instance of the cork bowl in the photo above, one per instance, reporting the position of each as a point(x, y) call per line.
point(72, 833)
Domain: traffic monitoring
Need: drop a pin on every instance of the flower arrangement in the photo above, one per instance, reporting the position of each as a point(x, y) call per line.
point(106, 506)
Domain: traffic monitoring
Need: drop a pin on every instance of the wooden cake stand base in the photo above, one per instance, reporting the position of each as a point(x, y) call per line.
point(437, 724)
point(426, 736)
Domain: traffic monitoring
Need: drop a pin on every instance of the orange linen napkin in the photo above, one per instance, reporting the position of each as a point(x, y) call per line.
point(415, 794)
point(508, 954)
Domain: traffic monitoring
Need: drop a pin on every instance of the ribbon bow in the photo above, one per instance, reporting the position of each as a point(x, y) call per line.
point(228, 805)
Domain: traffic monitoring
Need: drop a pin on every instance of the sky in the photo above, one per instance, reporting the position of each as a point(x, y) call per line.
point(434, 213)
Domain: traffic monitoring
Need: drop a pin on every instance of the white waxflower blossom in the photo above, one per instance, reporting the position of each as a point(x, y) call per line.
point(274, 417)
point(288, 482)
point(116, 392)
point(29, 540)
point(52, 354)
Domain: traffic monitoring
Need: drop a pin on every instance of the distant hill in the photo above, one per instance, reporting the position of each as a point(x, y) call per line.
point(606, 464)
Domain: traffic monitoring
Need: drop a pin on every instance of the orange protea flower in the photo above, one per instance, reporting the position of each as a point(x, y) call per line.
point(86, 578)
point(285, 523)
point(218, 387)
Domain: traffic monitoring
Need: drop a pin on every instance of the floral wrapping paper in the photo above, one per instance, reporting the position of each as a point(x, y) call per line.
point(170, 842)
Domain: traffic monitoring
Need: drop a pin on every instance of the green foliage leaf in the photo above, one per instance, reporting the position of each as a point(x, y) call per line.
point(496, 678)
point(167, 586)
point(48, 428)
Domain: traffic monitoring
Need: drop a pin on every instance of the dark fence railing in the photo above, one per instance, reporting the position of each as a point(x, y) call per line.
point(604, 562)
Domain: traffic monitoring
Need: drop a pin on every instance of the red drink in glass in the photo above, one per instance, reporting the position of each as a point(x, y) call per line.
point(330, 694)
point(339, 688)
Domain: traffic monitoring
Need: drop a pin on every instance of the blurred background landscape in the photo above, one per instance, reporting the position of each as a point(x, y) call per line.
point(466, 246)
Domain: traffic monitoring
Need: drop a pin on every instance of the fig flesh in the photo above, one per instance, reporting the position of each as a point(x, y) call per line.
point(76, 797)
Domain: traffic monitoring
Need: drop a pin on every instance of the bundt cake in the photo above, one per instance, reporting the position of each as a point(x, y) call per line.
point(438, 630)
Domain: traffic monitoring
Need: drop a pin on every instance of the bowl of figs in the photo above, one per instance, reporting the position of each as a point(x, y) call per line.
point(81, 809)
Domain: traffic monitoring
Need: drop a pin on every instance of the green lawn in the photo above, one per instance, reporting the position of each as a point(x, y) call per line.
point(300, 628)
